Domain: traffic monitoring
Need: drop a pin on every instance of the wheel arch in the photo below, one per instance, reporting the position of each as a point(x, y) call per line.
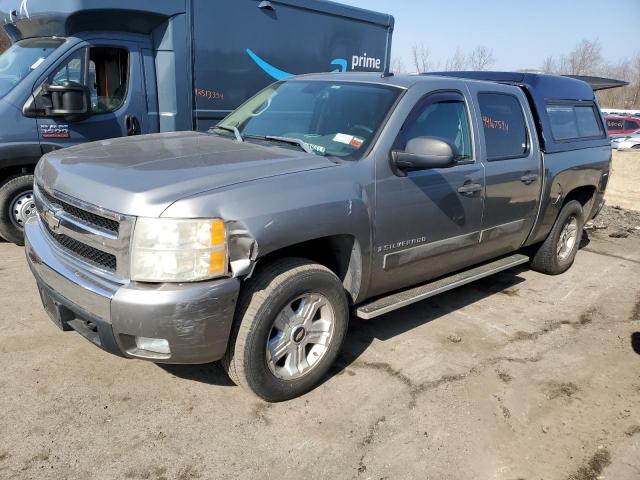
point(342, 254)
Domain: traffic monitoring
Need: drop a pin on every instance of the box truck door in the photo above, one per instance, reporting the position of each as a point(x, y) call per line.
point(111, 73)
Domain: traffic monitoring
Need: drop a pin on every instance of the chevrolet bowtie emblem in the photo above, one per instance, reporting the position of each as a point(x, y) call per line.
point(51, 219)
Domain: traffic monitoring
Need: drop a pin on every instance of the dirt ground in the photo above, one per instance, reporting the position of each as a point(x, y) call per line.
point(520, 376)
point(624, 186)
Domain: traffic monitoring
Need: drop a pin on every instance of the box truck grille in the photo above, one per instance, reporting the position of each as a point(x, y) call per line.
point(82, 215)
point(91, 255)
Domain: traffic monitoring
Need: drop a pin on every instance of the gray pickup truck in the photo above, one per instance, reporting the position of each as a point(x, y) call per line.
point(323, 195)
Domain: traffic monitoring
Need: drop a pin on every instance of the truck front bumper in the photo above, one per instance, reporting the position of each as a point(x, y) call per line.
point(193, 319)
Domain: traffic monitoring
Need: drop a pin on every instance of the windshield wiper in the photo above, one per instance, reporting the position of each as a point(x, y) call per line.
point(291, 141)
point(232, 129)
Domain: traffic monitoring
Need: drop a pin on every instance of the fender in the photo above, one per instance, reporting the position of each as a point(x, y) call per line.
point(265, 216)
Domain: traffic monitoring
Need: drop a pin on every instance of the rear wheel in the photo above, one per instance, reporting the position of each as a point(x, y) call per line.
point(17, 206)
point(558, 252)
point(290, 325)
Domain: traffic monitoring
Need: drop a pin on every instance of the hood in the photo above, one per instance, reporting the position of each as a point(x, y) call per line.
point(142, 176)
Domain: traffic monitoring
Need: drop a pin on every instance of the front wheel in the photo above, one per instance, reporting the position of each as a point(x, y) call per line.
point(557, 253)
point(17, 206)
point(291, 322)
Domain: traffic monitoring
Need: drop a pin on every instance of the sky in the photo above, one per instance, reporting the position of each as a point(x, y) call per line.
point(521, 33)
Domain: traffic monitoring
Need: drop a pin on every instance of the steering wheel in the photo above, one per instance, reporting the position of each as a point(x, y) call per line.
point(363, 128)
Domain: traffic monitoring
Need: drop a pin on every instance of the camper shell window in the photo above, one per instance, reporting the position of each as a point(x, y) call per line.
point(574, 121)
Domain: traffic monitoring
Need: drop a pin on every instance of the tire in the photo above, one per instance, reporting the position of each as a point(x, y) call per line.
point(549, 257)
point(276, 288)
point(15, 189)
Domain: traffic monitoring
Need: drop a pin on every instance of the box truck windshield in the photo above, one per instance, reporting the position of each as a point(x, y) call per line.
point(22, 58)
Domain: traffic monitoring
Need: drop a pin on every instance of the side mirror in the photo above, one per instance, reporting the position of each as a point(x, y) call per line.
point(69, 100)
point(425, 152)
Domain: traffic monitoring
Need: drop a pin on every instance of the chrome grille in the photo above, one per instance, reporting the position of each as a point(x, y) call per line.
point(93, 237)
point(92, 255)
point(83, 215)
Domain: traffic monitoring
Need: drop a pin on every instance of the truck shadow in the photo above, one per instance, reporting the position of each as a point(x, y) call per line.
point(210, 373)
point(635, 342)
point(362, 333)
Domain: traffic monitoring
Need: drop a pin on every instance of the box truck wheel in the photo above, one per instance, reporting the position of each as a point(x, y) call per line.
point(290, 324)
point(556, 254)
point(17, 205)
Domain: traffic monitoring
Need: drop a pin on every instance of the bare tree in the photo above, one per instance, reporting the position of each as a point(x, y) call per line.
point(481, 58)
point(397, 65)
point(549, 65)
point(421, 58)
point(4, 41)
point(456, 62)
point(586, 58)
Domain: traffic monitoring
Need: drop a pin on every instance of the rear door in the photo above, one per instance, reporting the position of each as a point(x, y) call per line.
point(512, 160)
point(113, 72)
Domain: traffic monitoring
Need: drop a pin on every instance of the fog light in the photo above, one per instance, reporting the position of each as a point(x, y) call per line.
point(155, 345)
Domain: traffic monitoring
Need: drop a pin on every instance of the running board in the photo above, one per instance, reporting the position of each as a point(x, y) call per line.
point(427, 290)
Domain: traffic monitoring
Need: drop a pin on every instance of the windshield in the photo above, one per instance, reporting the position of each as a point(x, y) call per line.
point(328, 118)
point(23, 57)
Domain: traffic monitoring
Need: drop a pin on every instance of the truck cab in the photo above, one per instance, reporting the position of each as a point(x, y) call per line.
point(89, 70)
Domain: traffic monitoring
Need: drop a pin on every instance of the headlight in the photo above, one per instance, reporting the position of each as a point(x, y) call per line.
point(168, 250)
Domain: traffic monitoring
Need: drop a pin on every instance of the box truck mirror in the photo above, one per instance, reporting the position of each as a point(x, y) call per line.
point(70, 100)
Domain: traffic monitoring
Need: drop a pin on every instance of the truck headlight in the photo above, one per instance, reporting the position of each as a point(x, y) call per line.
point(173, 250)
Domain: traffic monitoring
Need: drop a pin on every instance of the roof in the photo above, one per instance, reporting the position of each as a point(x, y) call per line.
point(66, 17)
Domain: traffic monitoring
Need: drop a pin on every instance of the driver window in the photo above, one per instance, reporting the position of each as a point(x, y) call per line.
point(441, 115)
point(71, 71)
point(108, 78)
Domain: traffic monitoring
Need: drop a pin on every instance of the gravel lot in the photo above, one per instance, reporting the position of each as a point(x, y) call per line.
point(520, 376)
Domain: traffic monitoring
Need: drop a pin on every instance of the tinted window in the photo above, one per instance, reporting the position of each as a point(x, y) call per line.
point(573, 122)
point(505, 132)
point(441, 115)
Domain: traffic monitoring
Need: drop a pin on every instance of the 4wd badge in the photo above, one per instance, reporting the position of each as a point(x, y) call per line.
point(54, 131)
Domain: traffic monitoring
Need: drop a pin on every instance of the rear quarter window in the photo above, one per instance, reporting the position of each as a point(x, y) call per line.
point(505, 131)
point(573, 122)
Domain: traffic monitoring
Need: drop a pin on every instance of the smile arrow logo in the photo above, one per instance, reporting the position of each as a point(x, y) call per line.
point(278, 74)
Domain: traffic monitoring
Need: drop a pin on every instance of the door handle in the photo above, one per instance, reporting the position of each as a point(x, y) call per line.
point(469, 189)
point(131, 125)
point(529, 178)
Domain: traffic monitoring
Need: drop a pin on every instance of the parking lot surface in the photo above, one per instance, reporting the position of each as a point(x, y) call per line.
point(519, 376)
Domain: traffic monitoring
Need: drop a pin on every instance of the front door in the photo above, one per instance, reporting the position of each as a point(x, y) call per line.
point(512, 161)
point(113, 73)
point(428, 222)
